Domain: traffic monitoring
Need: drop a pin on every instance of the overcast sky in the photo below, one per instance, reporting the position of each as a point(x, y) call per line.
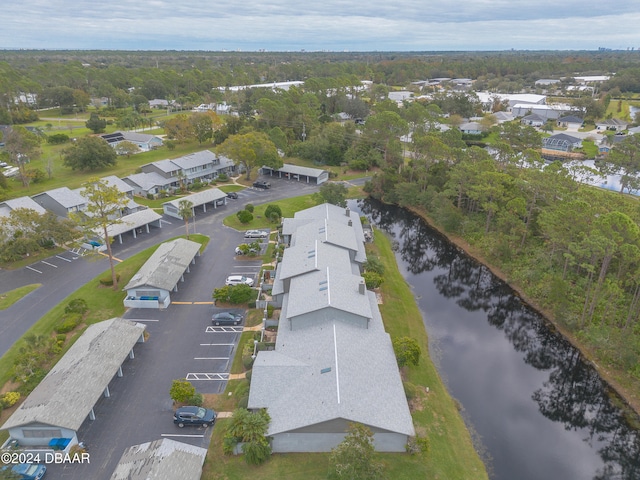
point(335, 25)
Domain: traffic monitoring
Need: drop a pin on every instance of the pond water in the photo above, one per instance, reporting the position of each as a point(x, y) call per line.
point(539, 410)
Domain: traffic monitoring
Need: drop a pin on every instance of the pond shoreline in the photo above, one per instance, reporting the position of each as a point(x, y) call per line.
point(630, 398)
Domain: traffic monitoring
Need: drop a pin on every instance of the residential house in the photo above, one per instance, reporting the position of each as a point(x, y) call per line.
point(145, 184)
point(7, 206)
point(561, 142)
point(613, 124)
point(61, 201)
point(608, 143)
point(570, 122)
point(471, 128)
point(113, 181)
point(333, 362)
point(143, 141)
point(204, 165)
point(533, 120)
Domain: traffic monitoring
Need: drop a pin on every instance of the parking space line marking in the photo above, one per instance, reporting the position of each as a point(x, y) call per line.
point(33, 269)
point(62, 258)
point(181, 303)
point(216, 344)
point(178, 435)
point(203, 303)
point(50, 264)
point(223, 329)
point(142, 320)
point(211, 358)
point(105, 255)
point(208, 376)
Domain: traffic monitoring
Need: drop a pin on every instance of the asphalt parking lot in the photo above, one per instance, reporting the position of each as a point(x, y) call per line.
point(182, 342)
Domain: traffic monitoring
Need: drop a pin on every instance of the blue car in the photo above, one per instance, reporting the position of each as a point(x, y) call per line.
point(29, 471)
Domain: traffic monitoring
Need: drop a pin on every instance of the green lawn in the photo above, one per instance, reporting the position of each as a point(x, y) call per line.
point(436, 415)
point(288, 207)
point(9, 298)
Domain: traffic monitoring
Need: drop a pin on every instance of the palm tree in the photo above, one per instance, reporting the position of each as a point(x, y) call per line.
point(185, 210)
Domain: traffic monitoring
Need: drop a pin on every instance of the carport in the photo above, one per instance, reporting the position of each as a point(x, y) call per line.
point(315, 176)
point(150, 287)
point(165, 458)
point(57, 407)
point(214, 196)
point(134, 223)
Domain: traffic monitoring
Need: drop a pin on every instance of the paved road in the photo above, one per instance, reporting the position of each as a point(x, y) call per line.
point(182, 342)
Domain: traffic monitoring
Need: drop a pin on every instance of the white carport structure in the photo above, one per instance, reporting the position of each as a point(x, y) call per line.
point(315, 176)
point(64, 399)
point(152, 285)
point(214, 196)
point(133, 223)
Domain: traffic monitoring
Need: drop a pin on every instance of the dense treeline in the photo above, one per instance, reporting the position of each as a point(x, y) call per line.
point(573, 248)
point(194, 77)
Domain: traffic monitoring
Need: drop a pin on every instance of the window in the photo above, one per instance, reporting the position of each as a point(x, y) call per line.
point(41, 432)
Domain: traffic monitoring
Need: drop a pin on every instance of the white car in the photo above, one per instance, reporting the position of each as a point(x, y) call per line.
point(238, 280)
point(256, 234)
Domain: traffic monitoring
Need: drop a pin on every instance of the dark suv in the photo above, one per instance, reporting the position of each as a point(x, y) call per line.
point(261, 184)
point(194, 416)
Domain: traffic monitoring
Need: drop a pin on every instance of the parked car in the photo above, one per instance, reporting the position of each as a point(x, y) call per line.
point(261, 184)
point(256, 234)
point(26, 471)
point(199, 416)
point(244, 249)
point(227, 318)
point(233, 195)
point(238, 280)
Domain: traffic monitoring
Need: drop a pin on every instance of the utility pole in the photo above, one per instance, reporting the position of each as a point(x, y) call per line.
point(304, 132)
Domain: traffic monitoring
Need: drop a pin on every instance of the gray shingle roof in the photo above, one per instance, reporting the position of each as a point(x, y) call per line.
point(298, 170)
point(167, 264)
point(196, 159)
point(23, 202)
point(333, 359)
point(200, 198)
point(65, 197)
point(67, 394)
point(163, 459)
point(147, 181)
point(363, 384)
point(129, 222)
point(114, 181)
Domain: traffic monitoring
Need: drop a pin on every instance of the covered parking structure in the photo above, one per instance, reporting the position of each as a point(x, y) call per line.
point(163, 459)
point(315, 176)
point(150, 287)
point(54, 411)
point(134, 223)
point(213, 196)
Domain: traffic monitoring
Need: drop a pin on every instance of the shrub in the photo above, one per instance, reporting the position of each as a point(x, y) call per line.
point(181, 391)
point(273, 212)
point(9, 399)
point(249, 207)
point(57, 139)
point(77, 305)
point(234, 294)
point(245, 216)
point(373, 264)
point(407, 351)
point(247, 375)
point(222, 177)
point(372, 279)
point(247, 362)
point(417, 445)
point(69, 322)
point(150, 196)
point(270, 309)
point(410, 390)
point(196, 399)
point(108, 281)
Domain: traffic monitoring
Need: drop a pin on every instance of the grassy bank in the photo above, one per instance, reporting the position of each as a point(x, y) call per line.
point(9, 298)
point(435, 413)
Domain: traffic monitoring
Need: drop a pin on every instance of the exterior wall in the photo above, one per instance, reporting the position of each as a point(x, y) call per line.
point(51, 205)
point(325, 314)
point(149, 168)
point(136, 298)
point(171, 211)
point(24, 434)
point(324, 442)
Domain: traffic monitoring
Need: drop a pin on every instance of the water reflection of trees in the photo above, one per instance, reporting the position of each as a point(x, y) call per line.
point(573, 394)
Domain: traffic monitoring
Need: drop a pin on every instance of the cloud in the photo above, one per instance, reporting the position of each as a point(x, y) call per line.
point(327, 25)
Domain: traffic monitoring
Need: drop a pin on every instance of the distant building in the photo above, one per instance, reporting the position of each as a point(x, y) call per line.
point(61, 201)
point(561, 142)
point(144, 141)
